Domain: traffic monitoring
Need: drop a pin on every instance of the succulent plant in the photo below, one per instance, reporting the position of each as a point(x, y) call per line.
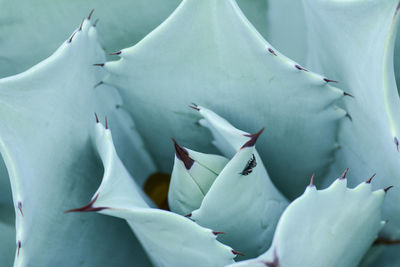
point(82, 133)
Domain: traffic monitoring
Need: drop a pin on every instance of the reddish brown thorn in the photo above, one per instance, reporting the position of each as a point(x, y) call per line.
point(95, 22)
point(253, 138)
point(347, 94)
point(312, 180)
point(349, 116)
point(97, 118)
point(99, 64)
point(115, 53)
point(188, 215)
point(90, 14)
point(218, 233)
point(20, 208)
point(237, 253)
point(80, 26)
point(70, 38)
point(194, 106)
point(18, 247)
point(106, 123)
point(383, 241)
point(330, 81)
point(300, 68)
point(396, 142)
point(370, 179)
point(183, 155)
point(98, 84)
point(387, 188)
point(343, 176)
point(272, 51)
point(397, 10)
point(88, 207)
point(274, 263)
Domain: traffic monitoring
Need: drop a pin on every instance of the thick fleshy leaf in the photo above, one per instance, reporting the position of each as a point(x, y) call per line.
point(357, 50)
point(331, 227)
point(169, 239)
point(44, 139)
point(209, 45)
point(192, 176)
point(27, 24)
point(242, 202)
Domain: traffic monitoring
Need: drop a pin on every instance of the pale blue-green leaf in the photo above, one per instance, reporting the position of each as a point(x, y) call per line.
point(189, 184)
point(44, 140)
point(357, 50)
point(207, 52)
point(397, 60)
point(330, 228)
point(242, 202)
point(129, 143)
point(43, 26)
point(27, 24)
point(169, 239)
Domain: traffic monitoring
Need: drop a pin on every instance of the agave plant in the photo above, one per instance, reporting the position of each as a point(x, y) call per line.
point(82, 133)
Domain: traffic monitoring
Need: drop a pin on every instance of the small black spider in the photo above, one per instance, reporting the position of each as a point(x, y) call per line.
point(249, 166)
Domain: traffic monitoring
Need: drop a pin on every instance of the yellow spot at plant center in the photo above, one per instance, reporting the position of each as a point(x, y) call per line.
point(156, 187)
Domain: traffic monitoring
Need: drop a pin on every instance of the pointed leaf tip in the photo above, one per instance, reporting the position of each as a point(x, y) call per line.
point(97, 118)
point(300, 68)
point(312, 180)
point(274, 263)
point(330, 81)
point(106, 123)
point(72, 36)
point(95, 22)
point(90, 14)
point(237, 252)
point(271, 51)
point(194, 106)
point(183, 155)
point(87, 208)
point(20, 208)
point(115, 53)
point(218, 233)
point(347, 94)
point(99, 64)
point(370, 179)
point(80, 26)
point(18, 247)
point(188, 215)
point(388, 188)
point(253, 138)
point(343, 176)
